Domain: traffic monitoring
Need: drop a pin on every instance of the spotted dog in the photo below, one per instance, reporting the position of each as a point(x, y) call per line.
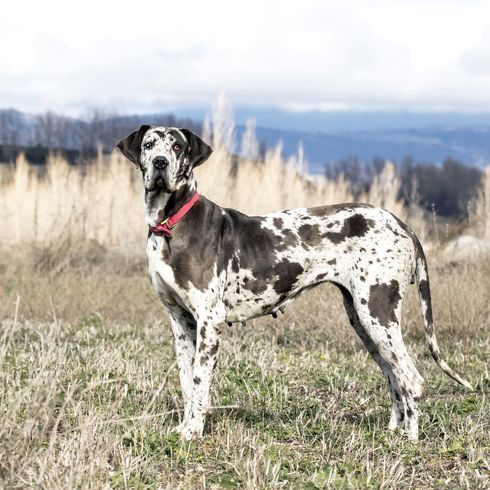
point(218, 265)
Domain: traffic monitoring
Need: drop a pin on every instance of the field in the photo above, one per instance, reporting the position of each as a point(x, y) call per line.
point(89, 390)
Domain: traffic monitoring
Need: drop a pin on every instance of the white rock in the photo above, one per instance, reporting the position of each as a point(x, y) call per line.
point(467, 248)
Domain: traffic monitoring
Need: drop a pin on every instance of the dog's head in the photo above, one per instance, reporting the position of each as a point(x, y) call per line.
point(165, 156)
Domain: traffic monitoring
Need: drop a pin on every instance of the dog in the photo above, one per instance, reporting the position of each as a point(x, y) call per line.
point(211, 265)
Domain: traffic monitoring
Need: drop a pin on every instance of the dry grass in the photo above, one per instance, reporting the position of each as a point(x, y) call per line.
point(89, 392)
point(480, 210)
point(88, 388)
point(103, 202)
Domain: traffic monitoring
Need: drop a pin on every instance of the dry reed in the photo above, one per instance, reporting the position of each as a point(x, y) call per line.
point(480, 209)
point(102, 201)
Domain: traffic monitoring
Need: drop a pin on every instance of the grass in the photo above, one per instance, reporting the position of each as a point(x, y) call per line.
point(103, 200)
point(89, 390)
point(88, 385)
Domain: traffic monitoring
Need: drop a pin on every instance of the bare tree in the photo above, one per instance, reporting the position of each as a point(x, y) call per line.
point(11, 126)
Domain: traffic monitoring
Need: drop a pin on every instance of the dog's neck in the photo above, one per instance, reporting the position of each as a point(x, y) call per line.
point(159, 204)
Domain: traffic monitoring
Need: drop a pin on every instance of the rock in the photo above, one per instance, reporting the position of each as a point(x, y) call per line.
point(467, 248)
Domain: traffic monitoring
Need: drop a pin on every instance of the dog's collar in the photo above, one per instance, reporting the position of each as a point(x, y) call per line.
point(165, 227)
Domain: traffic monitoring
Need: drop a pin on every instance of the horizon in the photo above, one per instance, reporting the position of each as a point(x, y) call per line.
point(322, 138)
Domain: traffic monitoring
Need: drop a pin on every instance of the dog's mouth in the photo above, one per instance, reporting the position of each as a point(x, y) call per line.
point(157, 184)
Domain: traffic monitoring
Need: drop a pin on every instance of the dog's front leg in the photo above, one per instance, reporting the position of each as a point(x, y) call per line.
point(206, 359)
point(184, 333)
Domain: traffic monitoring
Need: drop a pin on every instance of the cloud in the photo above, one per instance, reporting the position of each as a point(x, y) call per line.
point(161, 55)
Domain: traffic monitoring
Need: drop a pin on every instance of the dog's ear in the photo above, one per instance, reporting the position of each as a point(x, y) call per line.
point(131, 145)
point(199, 151)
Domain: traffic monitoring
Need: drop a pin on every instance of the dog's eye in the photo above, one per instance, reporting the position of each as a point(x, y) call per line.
point(149, 145)
point(177, 147)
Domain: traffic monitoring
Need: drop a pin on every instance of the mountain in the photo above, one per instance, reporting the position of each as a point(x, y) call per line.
point(347, 121)
point(326, 136)
point(334, 135)
point(468, 145)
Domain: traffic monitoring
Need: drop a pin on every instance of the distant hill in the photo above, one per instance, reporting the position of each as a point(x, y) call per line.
point(326, 136)
point(468, 145)
point(330, 136)
point(348, 121)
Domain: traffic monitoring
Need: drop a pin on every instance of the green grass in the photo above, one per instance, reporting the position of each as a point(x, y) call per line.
point(91, 402)
point(79, 410)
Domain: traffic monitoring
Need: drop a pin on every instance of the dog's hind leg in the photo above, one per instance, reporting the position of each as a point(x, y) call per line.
point(184, 331)
point(385, 344)
point(396, 403)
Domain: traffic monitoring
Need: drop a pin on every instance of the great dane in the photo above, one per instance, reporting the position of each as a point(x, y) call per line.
point(211, 265)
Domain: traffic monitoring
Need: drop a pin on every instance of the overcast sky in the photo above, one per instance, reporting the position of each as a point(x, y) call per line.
point(152, 56)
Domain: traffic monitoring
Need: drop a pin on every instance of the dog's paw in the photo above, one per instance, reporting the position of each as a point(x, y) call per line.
point(179, 428)
point(190, 430)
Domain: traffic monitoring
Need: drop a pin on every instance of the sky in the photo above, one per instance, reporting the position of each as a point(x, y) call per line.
point(155, 56)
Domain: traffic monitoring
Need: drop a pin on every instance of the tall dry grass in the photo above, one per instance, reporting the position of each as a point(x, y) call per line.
point(103, 202)
point(480, 209)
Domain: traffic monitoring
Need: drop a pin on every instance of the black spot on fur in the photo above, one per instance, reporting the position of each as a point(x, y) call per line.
point(322, 211)
point(287, 240)
point(257, 248)
point(354, 226)
point(320, 277)
point(214, 350)
point(287, 274)
point(424, 289)
point(256, 286)
point(310, 234)
point(383, 300)
point(278, 222)
point(332, 262)
point(192, 258)
point(197, 380)
point(235, 267)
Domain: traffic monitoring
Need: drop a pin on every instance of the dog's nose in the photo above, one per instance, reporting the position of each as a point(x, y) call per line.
point(160, 162)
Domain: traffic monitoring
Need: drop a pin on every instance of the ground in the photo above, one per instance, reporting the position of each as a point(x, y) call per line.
point(89, 390)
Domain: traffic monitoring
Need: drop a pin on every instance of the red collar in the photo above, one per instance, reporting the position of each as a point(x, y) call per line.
point(165, 227)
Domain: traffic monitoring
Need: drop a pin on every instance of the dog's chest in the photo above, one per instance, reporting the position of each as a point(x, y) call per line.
point(161, 273)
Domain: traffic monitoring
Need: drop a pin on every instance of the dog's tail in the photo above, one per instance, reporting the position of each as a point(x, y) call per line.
point(423, 286)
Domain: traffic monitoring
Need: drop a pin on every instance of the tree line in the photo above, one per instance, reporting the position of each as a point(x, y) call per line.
point(446, 188)
point(77, 139)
